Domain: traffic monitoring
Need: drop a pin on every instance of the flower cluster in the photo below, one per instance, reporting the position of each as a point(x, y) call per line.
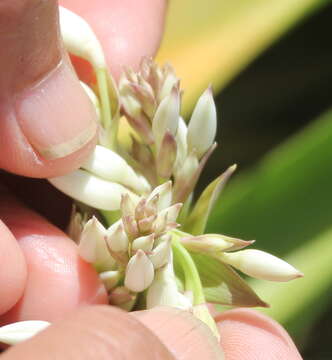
point(139, 183)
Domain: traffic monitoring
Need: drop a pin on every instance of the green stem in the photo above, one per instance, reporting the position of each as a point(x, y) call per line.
point(110, 125)
point(192, 279)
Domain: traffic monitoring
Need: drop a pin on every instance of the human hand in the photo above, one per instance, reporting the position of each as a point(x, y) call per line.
point(43, 106)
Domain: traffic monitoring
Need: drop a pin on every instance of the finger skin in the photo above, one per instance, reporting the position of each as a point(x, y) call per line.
point(127, 29)
point(99, 332)
point(249, 335)
point(58, 279)
point(184, 335)
point(13, 272)
point(47, 123)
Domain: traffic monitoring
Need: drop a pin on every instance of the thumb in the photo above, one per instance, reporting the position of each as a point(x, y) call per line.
point(99, 332)
point(47, 123)
point(104, 332)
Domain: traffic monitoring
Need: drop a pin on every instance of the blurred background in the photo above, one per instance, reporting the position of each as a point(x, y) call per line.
point(270, 66)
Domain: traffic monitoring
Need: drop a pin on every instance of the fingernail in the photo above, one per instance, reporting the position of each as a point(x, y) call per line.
point(55, 115)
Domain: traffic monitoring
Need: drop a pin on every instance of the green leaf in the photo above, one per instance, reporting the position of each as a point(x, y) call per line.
point(285, 204)
point(222, 285)
point(215, 40)
point(196, 222)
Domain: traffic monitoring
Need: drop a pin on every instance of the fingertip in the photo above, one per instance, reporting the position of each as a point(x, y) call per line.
point(14, 272)
point(249, 335)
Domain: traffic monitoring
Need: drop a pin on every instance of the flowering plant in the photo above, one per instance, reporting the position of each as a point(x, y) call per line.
point(135, 218)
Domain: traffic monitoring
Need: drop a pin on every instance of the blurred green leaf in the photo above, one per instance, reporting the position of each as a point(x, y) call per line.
point(285, 203)
point(213, 41)
point(222, 285)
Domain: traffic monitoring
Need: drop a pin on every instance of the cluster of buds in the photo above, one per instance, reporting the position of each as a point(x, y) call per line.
point(133, 249)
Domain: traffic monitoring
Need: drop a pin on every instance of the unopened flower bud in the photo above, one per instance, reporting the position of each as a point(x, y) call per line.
point(92, 246)
point(120, 295)
point(110, 166)
point(140, 209)
point(117, 238)
point(212, 243)
point(130, 226)
point(151, 207)
point(164, 191)
point(203, 124)
point(166, 156)
point(182, 146)
point(172, 212)
point(79, 39)
point(75, 226)
point(20, 331)
point(145, 225)
point(161, 254)
point(139, 272)
point(127, 205)
point(170, 80)
point(110, 279)
point(261, 265)
point(144, 243)
point(166, 116)
point(91, 190)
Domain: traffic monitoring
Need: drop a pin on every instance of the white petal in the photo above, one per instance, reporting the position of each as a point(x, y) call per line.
point(117, 238)
point(14, 333)
point(91, 190)
point(261, 265)
point(79, 39)
point(164, 191)
point(139, 272)
point(161, 254)
point(108, 165)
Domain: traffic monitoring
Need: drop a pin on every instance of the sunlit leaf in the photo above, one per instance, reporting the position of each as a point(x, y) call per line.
point(213, 41)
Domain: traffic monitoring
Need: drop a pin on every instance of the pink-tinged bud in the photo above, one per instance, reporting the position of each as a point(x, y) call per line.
point(145, 225)
point(110, 279)
point(261, 265)
point(170, 80)
point(166, 116)
point(140, 209)
point(164, 191)
point(159, 226)
point(120, 295)
point(172, 212)
point(161, 254)
point(127, 205)
point(117, 238)
point(141, 125)
point(92, 247)
point(203, 124)
point(144, 243)
point(139, 272)
point(212, 243)
point(151, 207)
point(130, 226)
point(166, 156)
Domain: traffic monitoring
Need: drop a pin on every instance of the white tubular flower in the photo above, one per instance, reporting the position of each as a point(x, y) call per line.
point(166, 116)
point(79, 39)
point(23, 330)
point(261, 265)
point(92, 246)
point(164, 292)
point(203, 124)
point(117, 238)
point(164, 192)
point(139, 272)
point(110, 278)
point(91, 190)
point(108, 165)
point(92, 96)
